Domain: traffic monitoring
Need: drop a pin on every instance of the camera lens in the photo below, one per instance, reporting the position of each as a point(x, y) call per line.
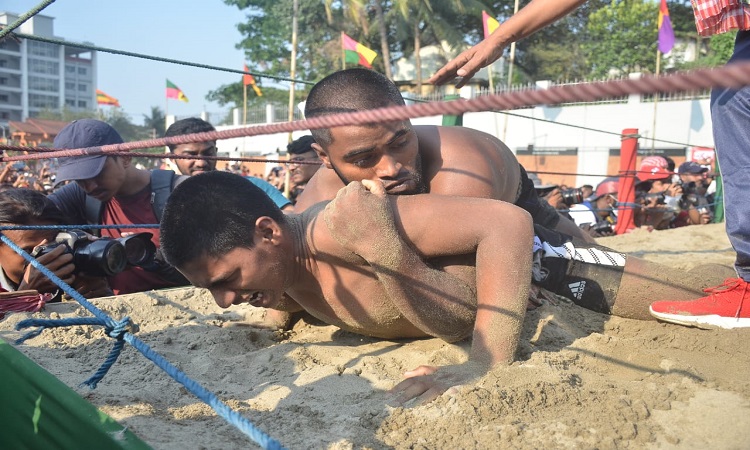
point(572, 196)
point(139, 250)
point(103, 257)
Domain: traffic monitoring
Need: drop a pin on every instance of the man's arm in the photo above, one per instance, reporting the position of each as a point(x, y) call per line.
point(531, 18)
point(436, 302)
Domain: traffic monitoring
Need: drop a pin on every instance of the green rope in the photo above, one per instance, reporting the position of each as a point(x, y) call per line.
point(154, 58)
point(5, 31)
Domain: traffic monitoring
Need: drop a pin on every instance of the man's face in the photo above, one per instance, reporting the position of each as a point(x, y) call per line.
point(698, 178)
point(300, 171)
point(254, 275)
point(109, 181)
point(388, 152)
point(195, 166)
point(12, 263)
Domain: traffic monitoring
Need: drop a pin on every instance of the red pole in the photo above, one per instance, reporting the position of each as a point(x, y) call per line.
point(626, 188)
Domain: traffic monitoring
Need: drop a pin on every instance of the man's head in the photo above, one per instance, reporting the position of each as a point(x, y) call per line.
point(225, 234)
point(206, 148)
point(605, 196)
point(691, 171)
point(384, 151)
point(101, 176)
point(654, 174)
point(25, 207)
point(301, 154)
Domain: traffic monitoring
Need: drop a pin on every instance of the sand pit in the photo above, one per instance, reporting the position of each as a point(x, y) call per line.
point(581, 379)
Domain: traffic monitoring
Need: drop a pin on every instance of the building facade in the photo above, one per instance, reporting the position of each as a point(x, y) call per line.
point(37, 76)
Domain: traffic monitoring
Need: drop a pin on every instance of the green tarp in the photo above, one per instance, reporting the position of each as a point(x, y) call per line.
point(38, 411)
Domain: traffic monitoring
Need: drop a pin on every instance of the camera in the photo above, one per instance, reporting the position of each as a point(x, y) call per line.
point(102, 257)
point(572, 196)
point(659, 196)
point(603, 228)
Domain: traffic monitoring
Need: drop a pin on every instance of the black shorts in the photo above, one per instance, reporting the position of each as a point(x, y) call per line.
point(587, 274)
point(542, 213)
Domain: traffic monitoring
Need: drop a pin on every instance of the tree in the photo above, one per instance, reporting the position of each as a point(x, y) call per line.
point(156, 121)
point(621, 38)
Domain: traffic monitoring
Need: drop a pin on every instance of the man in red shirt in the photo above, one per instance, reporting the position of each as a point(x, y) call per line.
point(125, 193)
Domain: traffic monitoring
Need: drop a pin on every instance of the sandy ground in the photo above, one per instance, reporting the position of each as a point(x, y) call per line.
point(581, 379)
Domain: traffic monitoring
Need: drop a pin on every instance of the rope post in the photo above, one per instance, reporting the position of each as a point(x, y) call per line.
point(626, 188)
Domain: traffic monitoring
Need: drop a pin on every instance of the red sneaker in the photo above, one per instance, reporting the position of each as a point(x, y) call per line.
point(727, 306)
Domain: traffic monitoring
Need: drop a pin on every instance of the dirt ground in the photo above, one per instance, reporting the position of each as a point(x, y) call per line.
point(581, 379)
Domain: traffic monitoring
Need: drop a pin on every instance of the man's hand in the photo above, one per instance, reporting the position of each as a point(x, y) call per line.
point(361, 220)
point(426, 383)
point(92, 287)
point(468, 63)
point(58, 261)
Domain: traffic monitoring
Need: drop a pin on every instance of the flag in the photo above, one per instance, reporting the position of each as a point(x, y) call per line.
point(175, 92)
point(490, 24)
point(104, 99)
point(249, 79)
point(666, 33)
point(356, 53)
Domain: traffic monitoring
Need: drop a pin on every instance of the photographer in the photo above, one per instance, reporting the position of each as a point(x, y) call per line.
point(28, 207)
point(596, 214)
point(694, 205)
point(656, 194)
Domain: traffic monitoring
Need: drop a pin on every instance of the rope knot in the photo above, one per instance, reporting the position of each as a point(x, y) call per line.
point(117, 330)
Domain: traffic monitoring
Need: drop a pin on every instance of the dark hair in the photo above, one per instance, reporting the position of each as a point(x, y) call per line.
point(349, 90)
point(670, 163)
point(212, 214)
point(22, 206)
point(187, 126)
point(301, 145)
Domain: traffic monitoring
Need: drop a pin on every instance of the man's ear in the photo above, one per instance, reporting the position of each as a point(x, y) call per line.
point(322, 154)
point(267, 230)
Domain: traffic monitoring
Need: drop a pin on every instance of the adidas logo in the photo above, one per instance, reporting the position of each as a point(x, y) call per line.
point(577, 288)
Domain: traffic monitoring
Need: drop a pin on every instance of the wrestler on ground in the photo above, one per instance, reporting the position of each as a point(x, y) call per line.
point(342, 262)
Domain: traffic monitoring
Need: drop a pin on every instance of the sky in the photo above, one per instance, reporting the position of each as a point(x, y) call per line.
point(201, 31)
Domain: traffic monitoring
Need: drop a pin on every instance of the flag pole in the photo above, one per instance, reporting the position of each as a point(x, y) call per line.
point(510, 71)
point(244, 102)
point(343, 53)
point(292, 74)
point(656, 101)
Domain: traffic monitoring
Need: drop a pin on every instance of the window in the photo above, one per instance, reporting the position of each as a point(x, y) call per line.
point(4, 115)
point(42, 84)
point(70, 69)
point(43, 67)
point(70, 85)
point(3, 80)
point(42, 101)
point(81, 88)
point(3, 98)
point(82, 71)
point(82, 103)
point(48, 50)
point(70, 102)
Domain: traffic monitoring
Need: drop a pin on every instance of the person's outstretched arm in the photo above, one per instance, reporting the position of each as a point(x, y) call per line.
point(531, 18)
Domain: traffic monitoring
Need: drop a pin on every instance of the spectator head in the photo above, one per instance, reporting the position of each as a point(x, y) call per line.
point(654, 170)
point(25, 207)
point(204, 148)
point(101, 176)
point(604, 198)
point(387, 152)
point(301, 154)
point(691, 171)
point(587, 190)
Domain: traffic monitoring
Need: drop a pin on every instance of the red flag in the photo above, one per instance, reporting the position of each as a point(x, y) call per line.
point(249, 79)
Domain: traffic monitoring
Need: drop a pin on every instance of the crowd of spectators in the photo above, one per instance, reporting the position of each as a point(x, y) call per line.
point(664, 197)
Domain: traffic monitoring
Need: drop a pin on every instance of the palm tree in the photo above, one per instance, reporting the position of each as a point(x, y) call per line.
point(156, 121)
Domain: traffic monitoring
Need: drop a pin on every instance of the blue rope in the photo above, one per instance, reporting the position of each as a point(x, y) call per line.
point(119, 331)
point(74, 227)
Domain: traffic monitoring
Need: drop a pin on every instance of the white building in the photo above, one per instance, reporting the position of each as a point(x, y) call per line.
point(37, 76)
